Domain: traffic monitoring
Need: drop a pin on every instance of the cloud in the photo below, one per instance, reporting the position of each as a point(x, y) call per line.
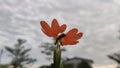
point(97, 19)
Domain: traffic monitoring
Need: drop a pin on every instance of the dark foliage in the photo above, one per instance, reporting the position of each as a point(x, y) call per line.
point(115, 57)
point(19, 54)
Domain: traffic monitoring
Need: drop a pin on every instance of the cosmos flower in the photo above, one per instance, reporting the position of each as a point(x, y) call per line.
point(56, 31)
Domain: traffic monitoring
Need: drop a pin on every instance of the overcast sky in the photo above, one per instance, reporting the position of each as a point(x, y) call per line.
point(99, 20)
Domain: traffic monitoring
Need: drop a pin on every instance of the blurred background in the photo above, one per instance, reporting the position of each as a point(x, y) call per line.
point(99, 20)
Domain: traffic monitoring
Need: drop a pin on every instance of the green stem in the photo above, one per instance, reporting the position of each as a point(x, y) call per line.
point(57, 56)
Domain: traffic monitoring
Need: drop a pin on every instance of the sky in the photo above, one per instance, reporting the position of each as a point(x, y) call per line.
point(97, 19)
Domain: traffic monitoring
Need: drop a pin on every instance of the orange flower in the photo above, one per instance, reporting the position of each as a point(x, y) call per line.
point(70, 38)
point(54, 30)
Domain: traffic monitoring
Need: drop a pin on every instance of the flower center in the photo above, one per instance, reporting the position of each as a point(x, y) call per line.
point(59, 37)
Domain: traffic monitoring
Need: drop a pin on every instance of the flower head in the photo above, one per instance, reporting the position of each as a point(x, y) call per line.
point(54, 29)
point(70, 38)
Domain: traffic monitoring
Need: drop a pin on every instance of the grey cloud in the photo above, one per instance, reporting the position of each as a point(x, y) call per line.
point(97, 19)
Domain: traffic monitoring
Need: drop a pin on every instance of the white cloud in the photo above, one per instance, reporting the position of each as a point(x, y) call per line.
point(97, 19)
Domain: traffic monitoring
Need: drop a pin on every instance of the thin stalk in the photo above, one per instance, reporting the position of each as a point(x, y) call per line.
point(57, 56)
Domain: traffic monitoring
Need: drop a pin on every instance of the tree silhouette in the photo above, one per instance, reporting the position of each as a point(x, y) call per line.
point(115, 57)
point(84, 64)
point(20, 54)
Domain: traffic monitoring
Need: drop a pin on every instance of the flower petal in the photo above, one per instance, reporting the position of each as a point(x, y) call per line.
point(79, 35)
point(71, 37)
point(45, 26)
point(72, 32)
point(48, 33)
point(55, 27)
point(63, 28)
point(68, 41)
point(46, 29)
point(73, 43)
